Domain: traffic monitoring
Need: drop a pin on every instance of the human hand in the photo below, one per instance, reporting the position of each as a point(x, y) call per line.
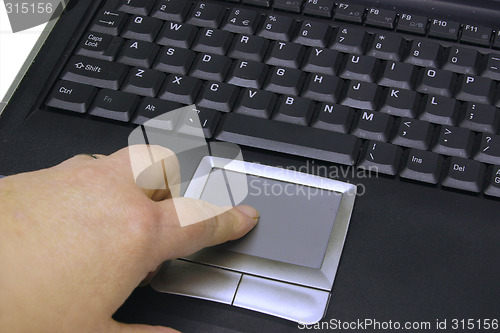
point(76, 239)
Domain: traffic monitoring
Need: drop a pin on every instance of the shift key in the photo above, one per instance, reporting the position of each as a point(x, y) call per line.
point(95, 72)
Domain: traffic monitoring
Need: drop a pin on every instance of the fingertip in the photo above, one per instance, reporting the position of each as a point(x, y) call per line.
point(250, 212)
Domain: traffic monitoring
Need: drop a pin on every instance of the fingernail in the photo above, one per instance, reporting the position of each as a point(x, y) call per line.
point(249, 211)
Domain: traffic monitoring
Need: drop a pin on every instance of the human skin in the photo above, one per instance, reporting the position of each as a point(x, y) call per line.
point(77, 238)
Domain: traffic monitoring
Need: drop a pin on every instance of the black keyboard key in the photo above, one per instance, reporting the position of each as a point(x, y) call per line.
point(358, 67)
point(380, 157)
point(493, 181)
point(475, 89)
point(440, 110)
point(462, 60)
point(285, 54)
point(212, 41)
point(333, 117)
point(480, 118)
point(260, 3)
point(218, 96)
point(109, 22)
point(362, 95)
point(319, 60)
point(492, 69)
point(249, 74)
point(464, 174)
point(322, 8)
point(71, 96)
point(210, 67)
point(349, 13)
point(289, 138)
point(181, 89)
point(171, 10)
point(496, 40)
point(248, 48)
point(150, 109)
point(138, 53)
point(436, 81)
point(423, 166)
point(325, 88)
point(425, 53)
point(373, 125)
point(350, 40)
point(117, 105)
point(387, 46)
point(278, 27)
point(95, 72)
point(294, 110)
point(287, 5)
point(209, 119)
point(489, 149)
point(444, 29)
point(400, 102)
point(206, 14)
point(454, 141)
point(398, 75)
point(142, 28)
point(314, 33)
point(139, 7)
point(413, 24)
point(99, 45)
point(177, 34)
point(413, 133)
point(287, 81)
point(477, 35)
point(257, 103)
point(143, 81)
point(174, 60)
point(381, 18)
point(242, 21)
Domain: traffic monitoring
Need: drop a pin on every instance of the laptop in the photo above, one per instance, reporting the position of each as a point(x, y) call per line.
point(389, 109)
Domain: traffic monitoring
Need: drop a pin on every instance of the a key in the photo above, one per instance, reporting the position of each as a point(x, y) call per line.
point(138, 53)
point(289, 138)
point(440, 110)
point(319, 60)
point(295, 110)
point(142, 28)
point(209, 119)
point(117, 105)
point(349, 13)
point(400, 102)
point(287, 5)
point(381, 18)
point(248, 48)
point(480, 118)
point(425, 53)
point(177, 34)
point(325, 88)
point(242, 21)
point(171, 10)
point(350, 40)
point(423, 166)
point(454, 141)
point(95, 72)
point(257, 103)
point(109, 22)
point(278, 27)
point(475, 89)
point(476, 35)
point(444, 29)
point(493, 181)
point(143, 81)
point(206, 14)
point(210, 67)
point(249, 74)
point(387, 46)
point(489, 149)
point(413, 24)
point(362, 95)
point(139, 7)
point(461, 60)
point(362, 68)
point(413, 133)
point(287, 81)
point(150, 109)
point(218, 96)
point(333, 117)
point(212, 41)
point(314, 33)
point(464, 174)
point(436, 81)
point(492, 69)
point(373, 125)
point(321, 8)
point(71, 96)
point(174, 60)
point(181, 89)
point(398, 75)
point(380, 157)
point(99, 45)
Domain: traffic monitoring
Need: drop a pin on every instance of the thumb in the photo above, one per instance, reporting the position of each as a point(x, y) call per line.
point(135, 328)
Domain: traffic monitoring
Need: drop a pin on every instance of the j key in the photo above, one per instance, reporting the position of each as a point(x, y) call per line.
point(414, 134)
point(286, 54)
point(150, 108)
point(480, 117)
point(113, 104)
point(493, 181)
point(257, 103)
point(143, 81)
point(333, 117)
point(444, 29)
point(349, 13)
point(177, 34)
point(95, 72)
point(277, 27)
point(181, 89)
point(381, 18)
point(380, 157)
point(289, 6)
point(138, 53)
point(423, 166)
point(242, 21)
point(362, 95)
point(325, 88)
point(218, 96)
point(464, 174)
point(461, 60)
point(174, 60)
point(206, 14)
point(489, 149)
point(387, 46)
point(99, 45)
point(398, 75)
point(350, 40)
point(477, 35)
point(109, 22)
point(454, 141)
point(492, 69)
point(475, 89)
point(412, 23)
point(425, 53)
point(71, 96)
point(210, 67)
point(289, 138)
point(440, 110)
point(322, 8)
point(209, 119)
point(170, 10)
point(361, 68)
point(436, 81)
point(314, 33)
point(400, 102)
point(249, 74)
point(142, 28)
point(139, 7)
point(295, 110)
point(212, 41)
point(319, 60)
point(287, 81)
point(373, 126)
point(249, 48)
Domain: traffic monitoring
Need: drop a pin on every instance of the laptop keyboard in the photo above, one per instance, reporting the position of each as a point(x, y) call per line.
point(407, 95)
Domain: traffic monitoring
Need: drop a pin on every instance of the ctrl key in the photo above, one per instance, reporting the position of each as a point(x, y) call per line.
point(71, 96)
point(464, 174)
